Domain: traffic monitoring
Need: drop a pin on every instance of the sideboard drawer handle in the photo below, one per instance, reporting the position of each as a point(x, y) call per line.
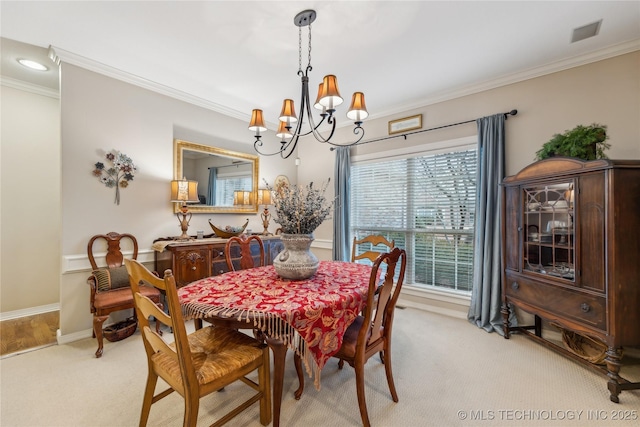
point(585, 307)
point(193, 268)
point(515, 286)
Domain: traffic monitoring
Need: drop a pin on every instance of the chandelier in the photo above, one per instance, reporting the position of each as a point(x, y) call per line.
point(290, 127)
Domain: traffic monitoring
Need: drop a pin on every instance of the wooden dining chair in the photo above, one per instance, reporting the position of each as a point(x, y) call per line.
point(109, 285)
point(370, 333)
point(239, 256)
point(370, 242)
point(247, 258)
point(197, 364)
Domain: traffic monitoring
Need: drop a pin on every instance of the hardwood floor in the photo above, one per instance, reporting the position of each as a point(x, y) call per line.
point(28, 332)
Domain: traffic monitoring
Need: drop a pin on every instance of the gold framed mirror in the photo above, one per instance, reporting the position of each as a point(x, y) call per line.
point(220, 174)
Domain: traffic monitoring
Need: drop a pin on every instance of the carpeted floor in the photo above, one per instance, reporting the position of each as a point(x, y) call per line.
point(447, 372)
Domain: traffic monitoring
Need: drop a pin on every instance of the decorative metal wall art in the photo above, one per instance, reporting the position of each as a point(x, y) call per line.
point(118, 174)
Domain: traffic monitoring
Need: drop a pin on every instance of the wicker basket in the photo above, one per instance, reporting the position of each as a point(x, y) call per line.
point(584, 346)
point(121, 330)
point(226, 234)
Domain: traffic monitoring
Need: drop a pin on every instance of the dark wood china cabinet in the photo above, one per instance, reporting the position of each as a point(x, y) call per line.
point(571, 255)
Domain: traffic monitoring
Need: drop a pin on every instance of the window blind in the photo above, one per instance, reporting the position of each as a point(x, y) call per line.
point(426, 203)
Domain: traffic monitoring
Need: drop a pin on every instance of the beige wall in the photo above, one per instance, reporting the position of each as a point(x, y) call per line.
point(100, 113)
point(606, 92)
point(30, 204)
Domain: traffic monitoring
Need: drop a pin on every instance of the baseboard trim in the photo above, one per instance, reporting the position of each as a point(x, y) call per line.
point(76, 336)
point(31, 311)
point(458, 314)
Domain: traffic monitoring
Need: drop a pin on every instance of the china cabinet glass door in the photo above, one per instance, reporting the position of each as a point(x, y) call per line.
point(549, 244)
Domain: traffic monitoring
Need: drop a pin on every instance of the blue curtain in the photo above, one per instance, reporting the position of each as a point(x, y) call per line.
point(341, 182)
point(211, 193)
point(486, 294)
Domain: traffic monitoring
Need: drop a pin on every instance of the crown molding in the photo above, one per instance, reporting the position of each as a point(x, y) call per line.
point(59, 55)
point(29, 87)
point(553, 67)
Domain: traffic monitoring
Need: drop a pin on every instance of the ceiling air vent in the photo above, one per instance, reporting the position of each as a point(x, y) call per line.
point(586, 31)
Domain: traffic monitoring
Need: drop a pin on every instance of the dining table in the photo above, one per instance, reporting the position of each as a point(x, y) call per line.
point(307, 316)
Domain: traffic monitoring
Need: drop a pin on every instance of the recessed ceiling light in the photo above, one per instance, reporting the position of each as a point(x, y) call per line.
point(32, 64)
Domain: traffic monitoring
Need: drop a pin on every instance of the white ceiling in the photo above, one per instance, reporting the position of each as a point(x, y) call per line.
point(234, 56)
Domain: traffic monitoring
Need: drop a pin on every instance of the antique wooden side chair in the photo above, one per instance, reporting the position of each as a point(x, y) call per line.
point(110, 291)
point(247, 259)
point(370, 242)
point(200, 363)
point(371, 332)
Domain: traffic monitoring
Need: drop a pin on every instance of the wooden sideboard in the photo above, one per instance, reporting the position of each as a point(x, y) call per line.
point(196, 259)
point(571, 251)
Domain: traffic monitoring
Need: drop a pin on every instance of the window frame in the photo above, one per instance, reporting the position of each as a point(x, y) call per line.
point(424, 149)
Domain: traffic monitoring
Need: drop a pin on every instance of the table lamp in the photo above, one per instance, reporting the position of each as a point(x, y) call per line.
point(184, 191)
point(264, 198)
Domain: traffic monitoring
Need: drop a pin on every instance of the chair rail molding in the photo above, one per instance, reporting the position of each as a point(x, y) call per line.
point(77, 263)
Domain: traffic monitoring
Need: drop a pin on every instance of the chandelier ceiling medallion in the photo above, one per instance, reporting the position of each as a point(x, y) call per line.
point(290, 127)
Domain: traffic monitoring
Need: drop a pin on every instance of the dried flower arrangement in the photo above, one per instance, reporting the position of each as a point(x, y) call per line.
point(117, 175)
point(300, 209)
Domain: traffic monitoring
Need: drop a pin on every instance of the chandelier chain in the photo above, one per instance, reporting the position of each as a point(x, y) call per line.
point(299, 50)
point(309, 64)
point(291, 127)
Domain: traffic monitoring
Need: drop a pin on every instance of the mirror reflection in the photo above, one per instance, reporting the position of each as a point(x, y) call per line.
point(220, 174)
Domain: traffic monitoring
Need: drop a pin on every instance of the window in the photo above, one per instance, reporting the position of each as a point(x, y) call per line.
point(424, 201)
point(225, 187)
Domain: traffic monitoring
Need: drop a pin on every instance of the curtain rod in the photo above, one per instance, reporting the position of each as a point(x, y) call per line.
point(404, 135)
point(229, 166)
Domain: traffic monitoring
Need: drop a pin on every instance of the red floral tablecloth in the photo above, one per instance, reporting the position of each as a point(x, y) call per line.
point(316, 312)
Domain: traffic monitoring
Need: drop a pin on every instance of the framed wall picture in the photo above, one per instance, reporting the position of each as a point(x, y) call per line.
point(406, 124)
point(280, 182)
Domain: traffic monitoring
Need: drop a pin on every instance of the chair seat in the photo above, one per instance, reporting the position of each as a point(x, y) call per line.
point(216, 352)
point(350, 339)
point(121, 296)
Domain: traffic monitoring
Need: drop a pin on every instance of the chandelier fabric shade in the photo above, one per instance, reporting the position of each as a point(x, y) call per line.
point(330, 97)
point(358, 110)
point(257, 122)
point(283, 133)
point(291, 126)
point(288, 113)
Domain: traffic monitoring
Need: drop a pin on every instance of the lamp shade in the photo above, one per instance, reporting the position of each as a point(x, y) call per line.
point(184, 191)
point(330, 97)
point(317, 104)
point(257, 121)
point(242, 198)
point(237, 197)
point(264, 196)
point(358, 110)
point(288, 113)
point(283, 133)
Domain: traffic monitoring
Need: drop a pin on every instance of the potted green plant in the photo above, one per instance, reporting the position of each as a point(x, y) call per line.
point(583, 142)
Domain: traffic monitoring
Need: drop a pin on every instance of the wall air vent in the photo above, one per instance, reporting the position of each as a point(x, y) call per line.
point(586, 31)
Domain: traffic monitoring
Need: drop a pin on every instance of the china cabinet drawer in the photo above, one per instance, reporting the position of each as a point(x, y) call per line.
point(565, 303)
